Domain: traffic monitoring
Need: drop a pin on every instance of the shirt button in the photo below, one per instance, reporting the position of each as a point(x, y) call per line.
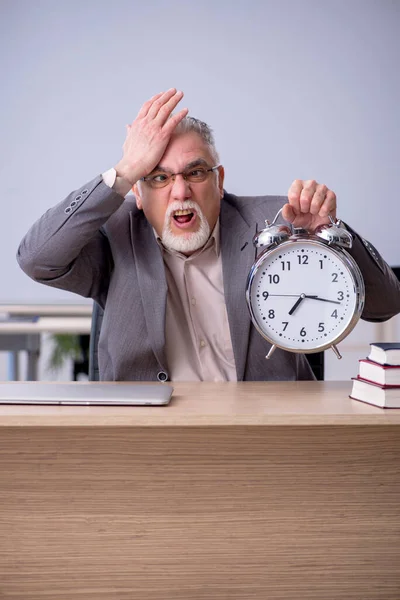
point(194, 301)
point(202, 343)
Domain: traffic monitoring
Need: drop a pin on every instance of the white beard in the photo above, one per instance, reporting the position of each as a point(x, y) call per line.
point(186, 241)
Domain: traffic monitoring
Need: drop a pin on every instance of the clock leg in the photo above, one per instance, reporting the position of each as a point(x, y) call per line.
point(271, 351)
point(336, 351)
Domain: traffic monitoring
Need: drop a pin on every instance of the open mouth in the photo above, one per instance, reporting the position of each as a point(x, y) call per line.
point(184, 218)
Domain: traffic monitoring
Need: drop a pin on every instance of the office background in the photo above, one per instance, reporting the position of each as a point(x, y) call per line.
point(292, 89)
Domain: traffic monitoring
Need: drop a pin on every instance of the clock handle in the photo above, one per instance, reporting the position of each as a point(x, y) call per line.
point(334, 234)
point(275, 218)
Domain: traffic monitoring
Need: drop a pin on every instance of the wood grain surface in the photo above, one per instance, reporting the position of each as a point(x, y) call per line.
point(233, 512)
point(216, 404)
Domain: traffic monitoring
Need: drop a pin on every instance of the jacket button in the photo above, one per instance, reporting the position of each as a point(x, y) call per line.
point(162, 376)
point(68, 210)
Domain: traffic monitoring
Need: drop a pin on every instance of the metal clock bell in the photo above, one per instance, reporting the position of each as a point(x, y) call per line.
point(305, 293)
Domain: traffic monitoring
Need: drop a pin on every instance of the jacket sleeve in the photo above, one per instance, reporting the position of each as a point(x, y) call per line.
point(67, 248)
point(382, 288)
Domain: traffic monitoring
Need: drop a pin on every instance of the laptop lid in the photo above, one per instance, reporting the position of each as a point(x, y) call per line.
point(86, 393)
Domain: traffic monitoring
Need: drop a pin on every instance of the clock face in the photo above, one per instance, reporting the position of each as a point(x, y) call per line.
point(304, 296)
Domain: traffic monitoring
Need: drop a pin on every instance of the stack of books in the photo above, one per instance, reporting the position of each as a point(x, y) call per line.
point(378, 380)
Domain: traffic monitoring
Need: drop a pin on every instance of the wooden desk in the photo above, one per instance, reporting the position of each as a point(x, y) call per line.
point(248, 491)
point(18, 335)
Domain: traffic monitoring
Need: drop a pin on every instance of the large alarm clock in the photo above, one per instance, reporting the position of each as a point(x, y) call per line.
point(305, 293)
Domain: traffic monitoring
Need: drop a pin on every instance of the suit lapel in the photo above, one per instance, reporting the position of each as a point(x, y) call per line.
point(151, 281)
point(237, 258)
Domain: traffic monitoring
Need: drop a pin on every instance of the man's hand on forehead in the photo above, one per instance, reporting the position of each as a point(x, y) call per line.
point(148, 135)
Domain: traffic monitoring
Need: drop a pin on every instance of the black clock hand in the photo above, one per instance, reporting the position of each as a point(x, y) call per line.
point(296, 304)
point(323, 299)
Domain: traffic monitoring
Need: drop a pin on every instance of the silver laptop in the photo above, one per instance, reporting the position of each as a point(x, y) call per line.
point(86, 393)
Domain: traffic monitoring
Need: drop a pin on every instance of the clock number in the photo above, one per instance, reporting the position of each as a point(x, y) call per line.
point(334, 314)
point(321, 327)
point(303, 260)
point(303, 332)
point(334, 277)
point(265, 295)
point(273, 278)
point(321, 264)
point(285, 264)
point(285, 323)
point(271, 314)
point(340, 296)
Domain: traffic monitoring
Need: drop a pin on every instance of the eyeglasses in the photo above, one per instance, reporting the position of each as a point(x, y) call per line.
point(161, 179)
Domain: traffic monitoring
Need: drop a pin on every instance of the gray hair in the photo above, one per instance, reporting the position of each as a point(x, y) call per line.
point(202, 129)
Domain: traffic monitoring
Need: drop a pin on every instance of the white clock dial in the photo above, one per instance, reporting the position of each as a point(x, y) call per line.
point(303, 295)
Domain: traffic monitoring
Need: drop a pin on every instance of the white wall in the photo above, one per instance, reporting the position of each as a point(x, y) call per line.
point(292, 88)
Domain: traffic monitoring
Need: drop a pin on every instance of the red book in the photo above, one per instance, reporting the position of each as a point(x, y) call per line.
point(373, 393)
point(388, 375)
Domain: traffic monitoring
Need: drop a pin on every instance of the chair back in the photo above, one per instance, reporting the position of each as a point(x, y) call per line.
point(97, 319)
point(317, 364)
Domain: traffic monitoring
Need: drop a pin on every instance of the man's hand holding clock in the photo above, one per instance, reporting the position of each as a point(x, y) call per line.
point(309, 204)
point(305, 293)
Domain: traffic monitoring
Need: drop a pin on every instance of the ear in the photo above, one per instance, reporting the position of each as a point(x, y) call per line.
point(138, 197)
point(221, 177)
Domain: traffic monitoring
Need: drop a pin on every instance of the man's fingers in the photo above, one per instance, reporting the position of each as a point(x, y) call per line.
point(294, 194)
point(318, 199)
point(309, 204)
point(166, 110)
point(307, 195)
point(174, 121)
point(145, 108)
point(159, 103)
point(329, 205)
point(288, 213)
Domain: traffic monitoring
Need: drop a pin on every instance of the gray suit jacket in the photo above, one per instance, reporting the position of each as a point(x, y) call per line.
point(98, 245)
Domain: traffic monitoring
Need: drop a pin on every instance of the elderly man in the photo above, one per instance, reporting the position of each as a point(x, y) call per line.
point(169, 264)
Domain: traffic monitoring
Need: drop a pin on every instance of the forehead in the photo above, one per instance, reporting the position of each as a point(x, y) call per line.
point(184, 148)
